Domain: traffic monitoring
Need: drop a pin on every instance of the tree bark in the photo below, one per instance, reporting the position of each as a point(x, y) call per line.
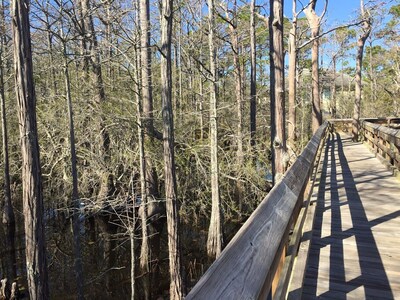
point(176, 288)
point(292, 80)
point(147, 122)
point(239, 98)
point(92, 52)
point(314, 22)
point(8, 217)
point(215, 239)
point(144, 267)
point(50, 48)
point(253, 76)
point(35, 250)
point(366, 30)
point(147, 91)
point(238, 84)
point(277, 91)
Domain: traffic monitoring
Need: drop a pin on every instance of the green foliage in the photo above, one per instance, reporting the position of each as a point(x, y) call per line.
point(395, 11)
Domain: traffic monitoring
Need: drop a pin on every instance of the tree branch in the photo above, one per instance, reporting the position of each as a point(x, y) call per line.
point(327, 32)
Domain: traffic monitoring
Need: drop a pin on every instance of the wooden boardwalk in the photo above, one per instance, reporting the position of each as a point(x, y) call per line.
point(355, 246)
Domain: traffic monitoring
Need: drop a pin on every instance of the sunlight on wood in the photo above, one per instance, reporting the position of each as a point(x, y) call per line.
point(350, 254)
point(323, 274)
point(345, 214)
point(326, 225)
point(358, 293)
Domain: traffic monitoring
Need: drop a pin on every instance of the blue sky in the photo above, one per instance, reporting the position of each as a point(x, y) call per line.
point(339, 11)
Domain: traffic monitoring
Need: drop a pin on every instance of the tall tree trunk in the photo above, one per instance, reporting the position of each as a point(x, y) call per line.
point(292, 79)
point(132, 242)
point(374, 87)
point(178, 97)
point(144, 267)
point(143, 190)
point(239, 99)
point(366, 30)
point(147, 91)
point(277, 91)
point(75, 194)
point(109, 40)
point(238, 85)
point(215, 238)
point(314, 22)
point(253, 76)
point(8, 217)
point(92, 52)
point(35, 250)
point(176, 288)
point(201, 103)
point(83, 39)
point(50, 48)
point(342, 78)
point(147, 121)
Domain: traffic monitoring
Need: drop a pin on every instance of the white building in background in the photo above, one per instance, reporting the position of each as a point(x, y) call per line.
point(344, 85)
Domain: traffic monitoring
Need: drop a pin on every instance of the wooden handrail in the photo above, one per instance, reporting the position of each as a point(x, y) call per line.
point(247, 266)
point(383, 141)
point(346, 125)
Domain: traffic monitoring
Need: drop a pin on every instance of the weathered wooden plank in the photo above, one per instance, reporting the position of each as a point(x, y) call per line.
point(296, 281)
point(359, 256)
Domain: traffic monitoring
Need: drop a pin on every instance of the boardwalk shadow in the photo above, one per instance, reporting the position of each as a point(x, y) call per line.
point(370, 279)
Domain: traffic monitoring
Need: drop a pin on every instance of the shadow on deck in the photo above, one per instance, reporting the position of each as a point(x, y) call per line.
point(350, 257)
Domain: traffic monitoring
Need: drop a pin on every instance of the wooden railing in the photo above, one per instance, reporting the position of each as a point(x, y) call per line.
point(383, 141)
point(381, 135)
point(257, 261)
point(344, 125)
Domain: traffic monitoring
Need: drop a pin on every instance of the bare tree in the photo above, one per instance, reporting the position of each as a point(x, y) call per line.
point(144, 263)
point(35, 251)
point(253, 76)
point(314, 22)
point(277, 90)
point(147, 114)
point(8, 217)
point(50, 47)
point(233, 31)
point(215, 239)
point(366, 30)
point(176, 289)
point(92, 51)
point(292, 51)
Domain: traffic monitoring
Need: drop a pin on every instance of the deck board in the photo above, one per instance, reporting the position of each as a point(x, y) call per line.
point(356, 237)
